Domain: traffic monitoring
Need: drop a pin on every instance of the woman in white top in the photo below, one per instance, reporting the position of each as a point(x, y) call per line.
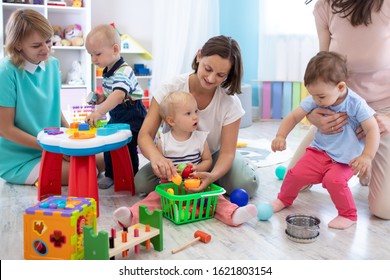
point(215, 81)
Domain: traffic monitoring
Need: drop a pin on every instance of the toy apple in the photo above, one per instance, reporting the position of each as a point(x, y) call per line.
point(181, 167)
point(186, 171)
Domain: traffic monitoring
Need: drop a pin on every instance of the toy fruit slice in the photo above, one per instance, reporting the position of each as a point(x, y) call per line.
point(177, 179)
point(192, 183)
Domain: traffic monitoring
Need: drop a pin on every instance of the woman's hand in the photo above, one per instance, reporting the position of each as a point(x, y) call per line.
point(162, 167)
point(205, 180)
point(328, 121)
point(383, 124)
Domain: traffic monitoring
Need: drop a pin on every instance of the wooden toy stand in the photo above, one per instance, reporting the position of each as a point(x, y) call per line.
point(97, 247)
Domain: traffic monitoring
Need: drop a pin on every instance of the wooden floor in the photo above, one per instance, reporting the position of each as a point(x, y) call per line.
point(368, 239)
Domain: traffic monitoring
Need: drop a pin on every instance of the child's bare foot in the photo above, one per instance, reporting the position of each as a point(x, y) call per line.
point(278, 205)
point(123, 216)
point(341, 223)
point(244, 214)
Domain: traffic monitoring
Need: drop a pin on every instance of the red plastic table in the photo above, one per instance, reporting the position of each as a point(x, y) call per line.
point(82, 174)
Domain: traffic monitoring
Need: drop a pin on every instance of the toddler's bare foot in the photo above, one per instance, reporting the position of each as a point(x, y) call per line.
point(278, 205)
point(341, 223)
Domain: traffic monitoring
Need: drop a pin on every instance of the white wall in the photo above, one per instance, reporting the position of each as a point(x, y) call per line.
point(133, 17)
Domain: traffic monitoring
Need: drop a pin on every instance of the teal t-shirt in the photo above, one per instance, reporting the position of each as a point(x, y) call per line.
point(36, 99)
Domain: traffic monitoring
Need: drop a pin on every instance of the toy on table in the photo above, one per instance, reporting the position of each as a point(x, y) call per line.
point(82, 143)
point(54, 228)
point(149, 230)
point(239, 197)
point(264, 211)
point(199, 236)
point(280, 172)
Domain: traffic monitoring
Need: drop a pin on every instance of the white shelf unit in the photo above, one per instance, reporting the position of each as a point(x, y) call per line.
point(71, 95)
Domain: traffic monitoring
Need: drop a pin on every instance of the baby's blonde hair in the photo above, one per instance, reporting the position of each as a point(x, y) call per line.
point(169, 104)
point(106, 33)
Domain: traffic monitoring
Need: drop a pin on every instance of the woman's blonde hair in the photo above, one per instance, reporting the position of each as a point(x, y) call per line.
point(21, 24)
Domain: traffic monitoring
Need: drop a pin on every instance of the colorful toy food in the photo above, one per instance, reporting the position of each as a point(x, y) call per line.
point(191, 183)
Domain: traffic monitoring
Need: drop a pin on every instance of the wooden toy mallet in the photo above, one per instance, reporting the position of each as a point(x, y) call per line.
point(199, 235)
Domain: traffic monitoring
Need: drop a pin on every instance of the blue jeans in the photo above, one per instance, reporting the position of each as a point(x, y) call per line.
point(133, 114)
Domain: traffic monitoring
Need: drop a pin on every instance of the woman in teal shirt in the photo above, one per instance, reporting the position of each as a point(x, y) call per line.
point(30, 96)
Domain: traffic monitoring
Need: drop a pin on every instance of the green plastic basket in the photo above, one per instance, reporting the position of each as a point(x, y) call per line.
point(179, 207)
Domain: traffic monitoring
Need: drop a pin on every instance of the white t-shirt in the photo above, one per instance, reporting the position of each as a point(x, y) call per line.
point(223, 109)
point(190, 150)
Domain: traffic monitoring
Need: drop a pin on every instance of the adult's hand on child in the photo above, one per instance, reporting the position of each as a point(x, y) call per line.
point(383, 123)
point(328, 121)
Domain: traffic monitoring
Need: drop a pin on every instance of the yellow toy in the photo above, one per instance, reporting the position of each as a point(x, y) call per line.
point(54, 228)
point(177, 179)
point(77, 3)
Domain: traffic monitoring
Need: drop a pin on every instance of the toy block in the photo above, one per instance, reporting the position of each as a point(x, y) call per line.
point(101, 247)
point(54, 228)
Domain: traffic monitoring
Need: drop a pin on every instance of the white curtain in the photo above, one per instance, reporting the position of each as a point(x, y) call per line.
point(287, 39)
point(180, 29)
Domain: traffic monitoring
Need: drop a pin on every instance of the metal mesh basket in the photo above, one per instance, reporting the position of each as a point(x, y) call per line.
point(302, 226)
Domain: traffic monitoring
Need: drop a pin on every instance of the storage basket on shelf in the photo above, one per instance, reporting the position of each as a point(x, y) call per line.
point(182, 208)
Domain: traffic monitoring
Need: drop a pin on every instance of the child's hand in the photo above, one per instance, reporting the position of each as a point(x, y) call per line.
point(93, 118)
point(278, 144)
point(361, 166)
point(100, 98)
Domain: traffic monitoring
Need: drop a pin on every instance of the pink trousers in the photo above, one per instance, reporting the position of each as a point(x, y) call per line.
point(316, 167)
point(223, 212)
